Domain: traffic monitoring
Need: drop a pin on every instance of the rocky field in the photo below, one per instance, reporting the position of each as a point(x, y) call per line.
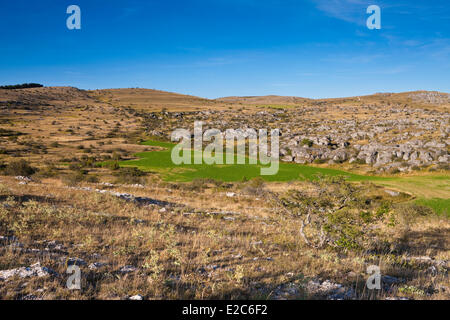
point(65, 200)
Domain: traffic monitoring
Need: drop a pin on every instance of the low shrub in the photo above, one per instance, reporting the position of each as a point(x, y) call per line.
point(307, 142)
point(130, 175)
point(74, 178)
point(19, 168)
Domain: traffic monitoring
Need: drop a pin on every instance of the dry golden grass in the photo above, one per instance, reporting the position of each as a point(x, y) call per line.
point(151, 100)
point(185, 250)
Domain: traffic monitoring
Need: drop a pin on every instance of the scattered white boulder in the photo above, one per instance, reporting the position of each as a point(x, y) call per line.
point(107, 184)
point(96, 265)
point(392, 193)
point(331, 290)
point(137, 185)
point(35, 270)
point(22, 178)
point(127, 269)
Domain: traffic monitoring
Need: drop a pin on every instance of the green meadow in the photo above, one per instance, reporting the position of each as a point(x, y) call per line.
point(161, 162)
point(440, 206)
point(432, 190)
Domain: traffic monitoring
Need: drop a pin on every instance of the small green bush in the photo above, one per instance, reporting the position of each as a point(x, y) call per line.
point(112, 165)
point(74, 178)
point(48, 172)
point(19, 168)
point(130, 175)
point(307, 142)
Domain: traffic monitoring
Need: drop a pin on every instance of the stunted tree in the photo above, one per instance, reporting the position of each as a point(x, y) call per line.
point(333, 213)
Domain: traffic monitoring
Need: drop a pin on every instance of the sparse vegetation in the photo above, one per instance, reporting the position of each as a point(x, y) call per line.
point(130, 176)
point(103, 190)
point(21, 86)
point(18, 168)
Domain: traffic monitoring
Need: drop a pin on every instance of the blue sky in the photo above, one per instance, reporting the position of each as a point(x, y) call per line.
point(215, 48)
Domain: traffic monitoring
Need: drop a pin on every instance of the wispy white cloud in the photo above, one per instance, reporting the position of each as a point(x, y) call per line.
point(392, 70)
point(439, 49)
point(436, 47)
point(355, 59)
point(352, 11)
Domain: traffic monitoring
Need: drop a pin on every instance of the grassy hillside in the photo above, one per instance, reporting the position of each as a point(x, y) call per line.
point(149, 100)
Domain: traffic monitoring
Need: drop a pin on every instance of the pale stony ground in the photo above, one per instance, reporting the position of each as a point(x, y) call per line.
point(159, 243)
